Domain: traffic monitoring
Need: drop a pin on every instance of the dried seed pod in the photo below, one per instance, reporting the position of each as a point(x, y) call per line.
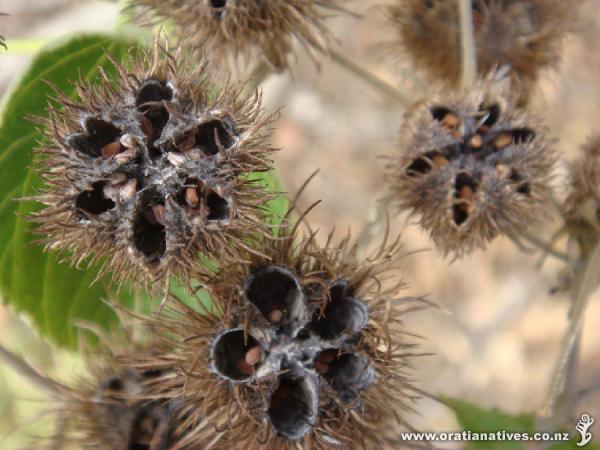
point(246, 30)
point(296, 338)
point(496, 171)
point(147, 170)
point(111, 408)
point(525, 35)
point(582, 205)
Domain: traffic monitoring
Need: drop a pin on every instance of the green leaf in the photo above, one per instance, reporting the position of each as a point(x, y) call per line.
point(51, 292)
point(278, 206)
point(476, 419)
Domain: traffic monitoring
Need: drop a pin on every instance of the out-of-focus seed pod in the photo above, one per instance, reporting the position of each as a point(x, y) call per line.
point(487, 174)
point(582, 205)
point(146, 170)
point(246, 30)
point(525, 35)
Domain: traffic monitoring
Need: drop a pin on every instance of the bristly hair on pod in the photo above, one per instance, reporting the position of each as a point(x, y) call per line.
point(471, 165)
point(148, 169)
point(246, 30)
point(303, 348)
point(525, 35)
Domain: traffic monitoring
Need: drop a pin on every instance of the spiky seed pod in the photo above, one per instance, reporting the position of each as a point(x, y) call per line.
point(247, 30)
point(582, 205)
point(147, 169)
point(525, 35)
point(302, 349)
point(113, 413)
point(110, 408)
point(471, 166)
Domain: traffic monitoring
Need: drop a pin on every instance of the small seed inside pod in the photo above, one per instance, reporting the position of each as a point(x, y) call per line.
point(465, 187)
point(160, 214)
point(502, 140)
point(439, 161)
point(177, 159)
point(466, 193)
point(275, 316)
point(146, 127)
point(451, 121)
point(128, 189)
point(126, 156)
point(503, 170)
point(253, 355)
point(476, 141)
point(110, 150)
point(323, 360)
point(244, 367)
point(128, 141)
point(186, 142)
point(191, 197)
point(321, 367)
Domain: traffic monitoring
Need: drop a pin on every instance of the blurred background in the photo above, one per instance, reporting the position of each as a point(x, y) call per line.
point(495, 335)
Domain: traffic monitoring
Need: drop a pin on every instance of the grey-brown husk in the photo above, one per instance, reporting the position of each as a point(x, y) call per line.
point(147, 169)
point(246, 30)
point(471, 166)
point(303, 347)
point(525, 35)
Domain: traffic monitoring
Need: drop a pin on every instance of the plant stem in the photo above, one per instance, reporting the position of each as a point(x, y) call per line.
point(539, 243)
point(385, 88)
point(23, 368)
point(467, 43)
point(586, 282)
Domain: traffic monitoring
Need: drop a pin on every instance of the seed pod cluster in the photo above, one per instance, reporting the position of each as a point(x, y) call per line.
point(525, 35)
point(148, 169)
point(303, 350)
point(246, 30)
point(471, 166)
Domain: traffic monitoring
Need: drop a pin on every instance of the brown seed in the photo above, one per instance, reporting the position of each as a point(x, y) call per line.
point(327, 357)
point(466, 193)
point(465, 207)
point(503, 169)
point(191, 197)
point(244, 367)
point(110, 150)
point(483, 129)
point(186, 143)
point(252, 355)
point(476, 141)
point(127, 191)
point(439, 161)
point(194, 154)
point(147, 127)
point(321, 367)
point(451, 121)
point(126, 156)
point(276, 316)
point(128, 141)
point(160, 214)
point(502, 140)
point(175, 158)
